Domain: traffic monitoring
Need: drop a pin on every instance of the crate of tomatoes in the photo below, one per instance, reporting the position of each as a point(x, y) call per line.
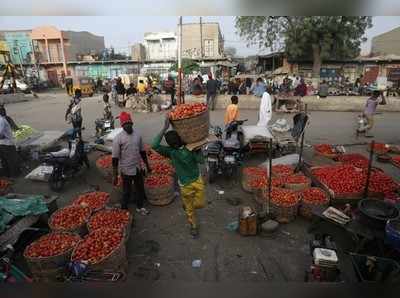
point(95, 200)
point(284, 204)
point(159, 189)
point(112, 218)
point(70, 219)
point(103, 249)
point(191, 121)
point(47, 256)
point(310, 198)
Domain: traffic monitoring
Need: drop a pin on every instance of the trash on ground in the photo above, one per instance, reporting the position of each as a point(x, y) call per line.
point(196, 263)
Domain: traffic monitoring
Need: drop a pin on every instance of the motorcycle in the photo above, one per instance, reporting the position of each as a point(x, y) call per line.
point(224, 156)
point(66, 163)
point(104, 126)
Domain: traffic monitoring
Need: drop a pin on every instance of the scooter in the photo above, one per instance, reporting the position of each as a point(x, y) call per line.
point(224, 156)
point(66, 163)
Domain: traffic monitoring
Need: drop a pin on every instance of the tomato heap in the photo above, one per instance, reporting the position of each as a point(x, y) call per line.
point(95, 200)
point(396, 160)
point(324, 149)
point(296, 179)
point(157, 181)
point(379, 148)
point(97, 245)
point(52, 244)
point(185, 111)
point(341, 179)
point(104, 162)
point(161, 168)
point(282, 170)
point(262, 182)
point(69, 217)
point(154, 156)
point(4, 184)
point(355, 159)
point(110, 218)
point(381, 183)
point(314, 195)
point(284, 197)
point(255, 171)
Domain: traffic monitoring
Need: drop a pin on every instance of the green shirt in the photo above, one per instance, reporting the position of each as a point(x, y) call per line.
point(184, 161)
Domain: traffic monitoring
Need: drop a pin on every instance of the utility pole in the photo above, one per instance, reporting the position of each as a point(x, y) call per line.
point(201, 39)
point(180, 62)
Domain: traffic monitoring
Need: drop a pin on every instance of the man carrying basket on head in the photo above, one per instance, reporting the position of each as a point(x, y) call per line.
point(186, 166)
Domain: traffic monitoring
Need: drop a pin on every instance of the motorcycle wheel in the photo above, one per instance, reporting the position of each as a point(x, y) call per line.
point(56, 181)
point(212, 172)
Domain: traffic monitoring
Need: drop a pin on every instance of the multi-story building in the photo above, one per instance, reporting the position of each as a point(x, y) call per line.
point(138, 52)
point(202, 40)
point(386, 43)
point(160, 45)
point(19, 43)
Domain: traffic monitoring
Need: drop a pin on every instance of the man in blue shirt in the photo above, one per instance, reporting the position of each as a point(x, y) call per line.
point(259, 88)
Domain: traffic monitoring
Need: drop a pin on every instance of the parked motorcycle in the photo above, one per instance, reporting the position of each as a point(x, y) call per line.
point(66, 163)
point(224, 156)
point(104, 126)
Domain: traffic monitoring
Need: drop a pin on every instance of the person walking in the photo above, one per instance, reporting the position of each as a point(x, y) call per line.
point(127, 152)
point(169, 87)
point(8, 152)
point(370, 110)
point(74, 114)
point(186, 164)
point(211, 87)
point(265, 112)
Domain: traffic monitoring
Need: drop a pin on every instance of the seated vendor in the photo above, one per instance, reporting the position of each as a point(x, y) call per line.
point(8, 152)
point(232, 111)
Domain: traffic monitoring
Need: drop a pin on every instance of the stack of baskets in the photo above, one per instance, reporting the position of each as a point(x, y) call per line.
point(159, 190)
point(284, 204)
point(250, 174)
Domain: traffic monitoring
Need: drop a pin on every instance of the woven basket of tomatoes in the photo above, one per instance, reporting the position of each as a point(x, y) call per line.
point(191, 122)
point(396, 161)
point(297, 182)
point(379, 148)
point(103, 249)
point(113, 218)
point(284, 204)
point(355, 159)
point(260, 187)
point(95, 200)
point(70, 219)
point(5, 187)
point(325, 150)
point(162, 168)
point(159, 189)
point(252, 173)
point(154, 157)
point(310, 198)
point(282, 170)
point(104, 165)
point(47, 256)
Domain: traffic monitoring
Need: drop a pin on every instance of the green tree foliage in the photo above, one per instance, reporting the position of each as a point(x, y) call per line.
point(316, 37)
point(188, 66)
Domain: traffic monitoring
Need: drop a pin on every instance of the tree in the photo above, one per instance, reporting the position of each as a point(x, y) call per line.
point(316, 37)
point(230, 51)
point(188, 66)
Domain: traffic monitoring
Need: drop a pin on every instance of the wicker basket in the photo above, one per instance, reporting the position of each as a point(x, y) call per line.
point(260, 196)
point(394, 149)
point(80, 230)
point(284, 214)
point(298, 186)
point(127, 228)
point(192, 130)
point(74, 202)
point(48, 269)
point(245, 181)
point(161, 196)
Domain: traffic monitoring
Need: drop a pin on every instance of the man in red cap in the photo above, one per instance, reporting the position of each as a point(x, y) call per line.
point(127, 152)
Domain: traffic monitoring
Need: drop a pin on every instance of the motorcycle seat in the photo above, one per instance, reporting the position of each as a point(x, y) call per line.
point(61, 153)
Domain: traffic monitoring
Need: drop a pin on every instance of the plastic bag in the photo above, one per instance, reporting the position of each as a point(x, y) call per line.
point(34, 205)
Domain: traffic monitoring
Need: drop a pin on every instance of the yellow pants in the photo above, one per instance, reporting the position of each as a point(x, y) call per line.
point(193, 198)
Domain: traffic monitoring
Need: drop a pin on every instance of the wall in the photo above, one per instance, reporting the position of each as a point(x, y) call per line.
point(160, 45)
point(387, 43)
point(4, 52)
point(192, 43)
point(24, 42)
point(104, 71)
point(138, 52)
point(82, 43)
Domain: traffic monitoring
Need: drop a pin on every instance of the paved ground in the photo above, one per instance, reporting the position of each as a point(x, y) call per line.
point(160, 247)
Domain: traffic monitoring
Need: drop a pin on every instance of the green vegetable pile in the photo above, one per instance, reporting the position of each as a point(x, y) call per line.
point(24, 132)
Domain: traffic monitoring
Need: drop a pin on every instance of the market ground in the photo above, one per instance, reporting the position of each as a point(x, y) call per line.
point(160, 247)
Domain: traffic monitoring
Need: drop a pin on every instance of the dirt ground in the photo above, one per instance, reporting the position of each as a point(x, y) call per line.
point(160, 247)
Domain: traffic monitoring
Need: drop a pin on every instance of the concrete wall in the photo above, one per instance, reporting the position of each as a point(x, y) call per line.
point(192, 43)
point(160, 45)
point(104, 71)
point(138, 52)
point(331, 103)
point(82, 43)
point(387, 43)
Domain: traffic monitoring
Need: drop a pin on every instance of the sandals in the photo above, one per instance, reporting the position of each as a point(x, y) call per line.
point(142, 211)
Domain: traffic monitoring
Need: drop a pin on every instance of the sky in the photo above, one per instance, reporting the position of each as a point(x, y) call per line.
point(123, 31)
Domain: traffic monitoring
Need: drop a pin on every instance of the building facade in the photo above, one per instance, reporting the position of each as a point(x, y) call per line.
point(202, 40)
point(20, 46)
point(387, 43)
point(138, 52)
point(4, 50)
point(160, 45)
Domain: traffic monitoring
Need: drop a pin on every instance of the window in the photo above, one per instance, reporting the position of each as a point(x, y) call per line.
point(209, 47)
